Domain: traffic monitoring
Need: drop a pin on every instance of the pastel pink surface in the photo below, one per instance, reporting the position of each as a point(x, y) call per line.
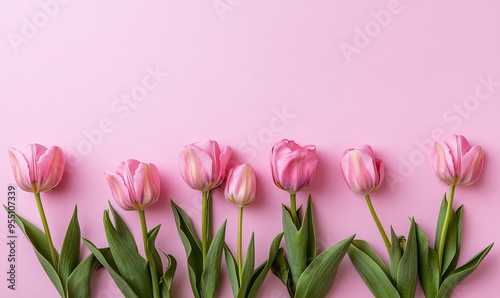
point(92, 79)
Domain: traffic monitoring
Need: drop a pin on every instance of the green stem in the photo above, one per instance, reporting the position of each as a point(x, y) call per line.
point(379, 225)
point(53, 253)
point(240, 251)
point(205, 225)
point(293, 209)
point(447, 218)
point(152, 266)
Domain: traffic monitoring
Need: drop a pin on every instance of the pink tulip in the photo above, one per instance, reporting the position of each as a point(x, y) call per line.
point(362, 171)
point(203, 166)
point(455, 162)
point(134, 185)
point(293, 167)
point(241, 185)
point(36, 168)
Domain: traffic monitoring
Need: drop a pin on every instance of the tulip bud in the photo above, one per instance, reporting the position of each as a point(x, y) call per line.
point(36, 168)
point(241, 185)
point(362, 172)
point(203, 166)
point(293, 167)
point(455, 162)
point(134, 185)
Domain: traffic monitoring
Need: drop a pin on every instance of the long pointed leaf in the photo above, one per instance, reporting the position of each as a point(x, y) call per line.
point(375, 277)
point(318, 278)
point(210, 275)
point(248, 268)
point(296, 245)
point(78, 285)
point(70, 251)
point(440, 222)
point(166, 280)
point(153, 252)
point(232, 270)
point(458, 241)
point(192, 247)
point(395, 256)
point(311, 236)
point(462, 272)
point(428, 269)
point(260, 275)
point(408, 266)
point(104, 257)
point(450, 246)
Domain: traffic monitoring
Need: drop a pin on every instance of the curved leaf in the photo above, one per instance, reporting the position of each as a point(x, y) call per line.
point(408, 266)
point(248, 268)
point(318, 278)
point(296, 245)
point(311, 236)
point(70, 251)
point(428, 269)
point(374, 276)
point(192, 247)
point(460, 273)
point(78, 285)
point(104, 257)
point(395, 256)
point(166, 280)
point(458, 241)
point(210, 275)
point(232, 270)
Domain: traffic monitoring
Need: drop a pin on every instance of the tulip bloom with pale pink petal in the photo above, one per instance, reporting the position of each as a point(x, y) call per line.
point(455, 162)
point(37, 168)
point(293, 167)
point(203, 165)
point(361, 170)
point(134, 185)
point(241, 185)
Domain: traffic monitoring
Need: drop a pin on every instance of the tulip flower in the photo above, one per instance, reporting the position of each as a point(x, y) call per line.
point(293, 168)
point(39, 169)
point(240, 185)
point(203, 166)
point(240, 189)
point(134, 185)
point(36, 168)
point(363, 173)
point(455, 162)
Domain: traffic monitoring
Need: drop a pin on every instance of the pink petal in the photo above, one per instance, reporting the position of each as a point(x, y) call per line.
point(195, 166)
point(50, 169)
point(472, 165)
point(442, 162)
point(20, 169)
point(119, 191)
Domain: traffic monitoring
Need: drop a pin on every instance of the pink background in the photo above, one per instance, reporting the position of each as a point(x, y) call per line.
point(330, 73)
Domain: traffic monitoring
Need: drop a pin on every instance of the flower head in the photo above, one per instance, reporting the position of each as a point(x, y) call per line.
point(361, 170)
point(293, 167)
point(241, 185)
point(37, 168)
point(134, 185)
point(203, 165)
point(455, 162)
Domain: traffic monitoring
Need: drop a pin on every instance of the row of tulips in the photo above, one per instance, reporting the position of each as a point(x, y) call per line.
point(305, 273)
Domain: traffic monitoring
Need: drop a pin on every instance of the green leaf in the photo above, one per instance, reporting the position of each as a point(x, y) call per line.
point(395, 256)
point(104, 257)
point(408, 266)
point(372, 270)
point(70, 251)
point(457, 275)
point(192, 246)
point(296, 245)
point(41, 248)
point(458, 241)
point(262, 271)
point(152, 254)
point(450, 246)
point(210, 275)
point(232, 270)
point(130, 264)
point(248, 268)
point(311, 236)
point(166, 280)
point(280, 267)
point(318, 278)
point(440, 222)
point(78, 284)
point(428, 269)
